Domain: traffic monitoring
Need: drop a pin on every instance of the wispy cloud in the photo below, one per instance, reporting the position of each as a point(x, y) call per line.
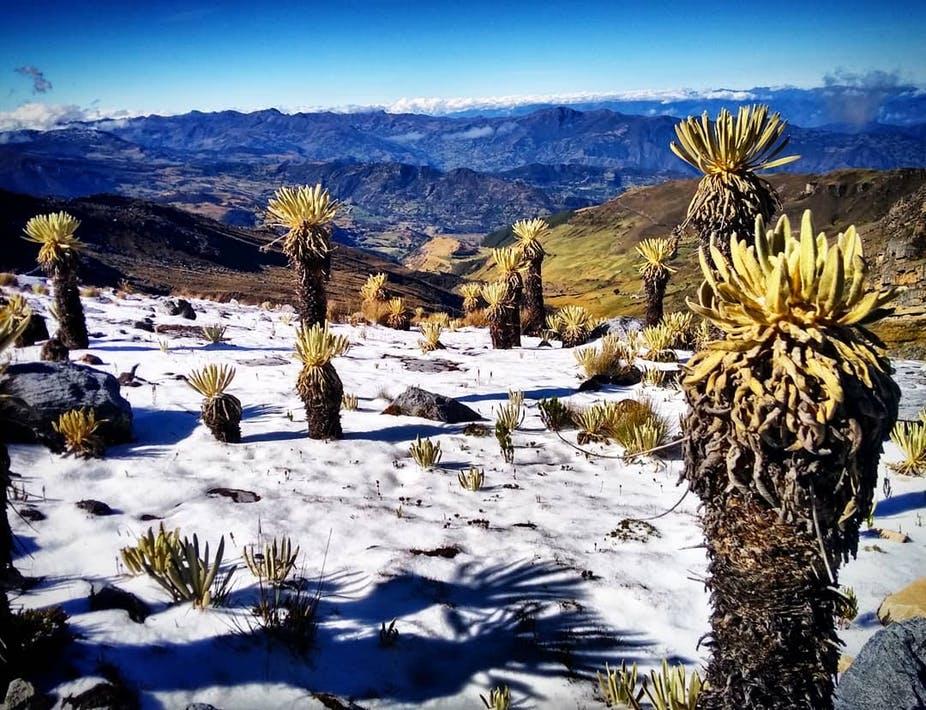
point(857, 98)
point(43, 117)
point(40, 85)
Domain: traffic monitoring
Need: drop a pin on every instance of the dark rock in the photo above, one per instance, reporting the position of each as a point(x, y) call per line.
point(889, 672)
point(33, 515)
point(448, 552)
point(35, 332)
point(106, 596)
point(178, 307)
point(416, 402)
point(95, 507)
point(145, 325)
point(53, 350)
point(90, 359)
point(21, 695)
point(128, 379)
point(41, 391)
point(436, 365)
point(630, 376)
point(145, 517)
point(201, 706)
point(185, 331)
point(103, 696)
point(268, 361)
point(236, 494)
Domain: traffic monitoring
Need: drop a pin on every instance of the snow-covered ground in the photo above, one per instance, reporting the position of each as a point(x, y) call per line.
point(538, 597)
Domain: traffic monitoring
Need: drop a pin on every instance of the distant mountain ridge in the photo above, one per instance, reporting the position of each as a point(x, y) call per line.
point(405, 177)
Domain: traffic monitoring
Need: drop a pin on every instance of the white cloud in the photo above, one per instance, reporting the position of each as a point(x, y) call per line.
point(43, 117)
point(471, 133)
point(437, 106)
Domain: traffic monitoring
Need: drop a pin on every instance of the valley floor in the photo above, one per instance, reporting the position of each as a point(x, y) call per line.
point(531, 590)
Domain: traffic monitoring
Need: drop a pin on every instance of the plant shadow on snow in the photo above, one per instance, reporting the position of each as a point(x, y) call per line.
point(526, 618)
point(542, 393)
point(903, 503)
point(156, 428)
point(401, 432)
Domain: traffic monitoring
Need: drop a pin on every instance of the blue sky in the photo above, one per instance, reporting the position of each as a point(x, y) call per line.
point(173, 57)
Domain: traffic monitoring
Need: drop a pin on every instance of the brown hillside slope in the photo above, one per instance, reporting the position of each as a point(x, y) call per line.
point(592, 260)
point(164, 249)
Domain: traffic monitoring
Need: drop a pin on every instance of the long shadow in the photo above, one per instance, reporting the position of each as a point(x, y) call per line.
point(156, 427)
point(903, 503)
point(273, 436)
point(525, 617)
point(401, 432)
point(542, 393)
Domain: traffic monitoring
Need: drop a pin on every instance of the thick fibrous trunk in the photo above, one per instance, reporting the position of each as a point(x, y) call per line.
point(222, 415)
point(778, 524)
point(724, 206)
point(655, 290)
point(534, 313)
point(72, 328)
point(311, 293)
point(499, 330)
point(322, 399)
point(512, 309)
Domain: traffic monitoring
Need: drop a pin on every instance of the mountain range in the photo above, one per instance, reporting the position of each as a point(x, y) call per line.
point(405, 178)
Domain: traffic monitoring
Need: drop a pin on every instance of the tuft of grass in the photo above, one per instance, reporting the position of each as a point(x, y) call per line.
point(431, 330)
point(472, 479)
point(659, 340)
point(846, 605)
point(666, 689)
point(78, 427)
point(214, 333)
point(90, 292)
point(555, 415)
point(349, 402)
point(611, 359)
point(191, 576)
point(39, 289)
point(151, 551)
point(910, 438)
point(426, 453)
point(388, 635)
point(499, 698)
point(287, 616)
point(274, 562)
point(8, 279)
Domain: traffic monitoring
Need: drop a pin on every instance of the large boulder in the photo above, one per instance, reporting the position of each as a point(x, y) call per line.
point(39, 392)
point(908, 603)
point(416, 402)
point(178, 307)
point(890, 671)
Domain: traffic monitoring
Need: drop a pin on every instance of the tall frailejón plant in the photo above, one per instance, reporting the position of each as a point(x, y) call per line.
point(472, 297)
point(59, 257)
point(528, 233)
point(221, 411)
point(508, 260)
point(13, 321)
point(318, 385)
point(730, 151)
point(788, 412)
point(655, 270)
point(306, 213)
